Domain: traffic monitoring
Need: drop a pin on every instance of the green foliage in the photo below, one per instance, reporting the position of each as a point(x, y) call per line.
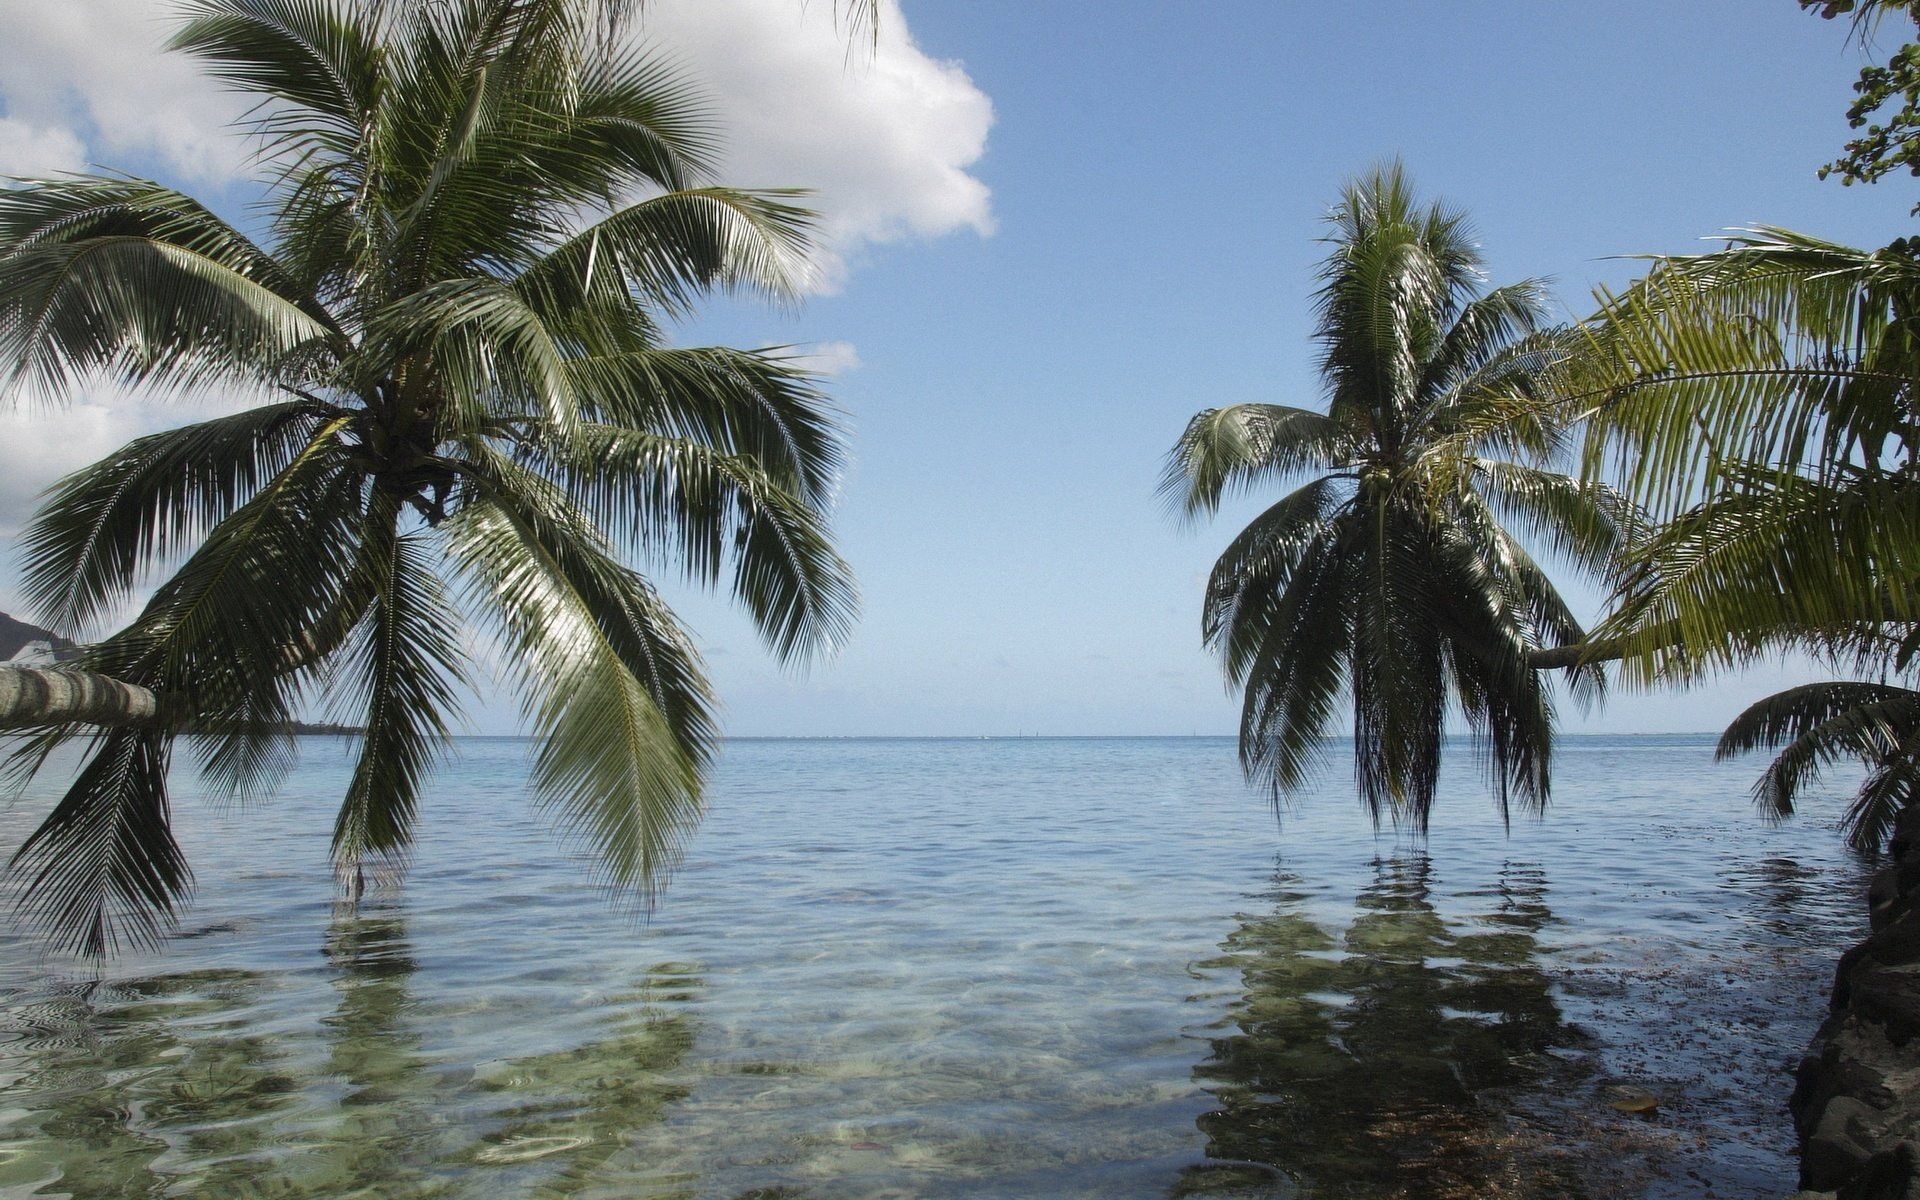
point(1821, 723)
point(1891, 139)
point(478, 215)
point(1391, 576)
point(1759, 401)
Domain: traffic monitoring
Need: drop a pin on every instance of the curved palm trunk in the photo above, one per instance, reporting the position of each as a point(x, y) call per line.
point(32, 696)
point(1579, 654)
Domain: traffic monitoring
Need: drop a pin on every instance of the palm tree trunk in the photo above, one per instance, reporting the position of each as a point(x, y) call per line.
point(1578, 654)
point(31, 696)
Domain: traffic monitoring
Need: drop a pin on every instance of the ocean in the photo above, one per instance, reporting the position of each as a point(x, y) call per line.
point(958, 968)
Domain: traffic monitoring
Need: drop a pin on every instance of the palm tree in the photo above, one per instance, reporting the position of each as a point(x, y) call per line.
point(1760, 402)
point(477, 214)
point(1390, 575)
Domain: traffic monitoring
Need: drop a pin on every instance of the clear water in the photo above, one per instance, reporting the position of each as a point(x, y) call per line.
point(1046, 968)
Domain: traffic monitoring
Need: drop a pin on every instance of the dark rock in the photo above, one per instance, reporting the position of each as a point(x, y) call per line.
point(1840, 1148)
point(1883, 898)
point(1841, 989)
point(1889, 1175)
point(1899, 942)
point(1906, 832)
point(1856, 1096)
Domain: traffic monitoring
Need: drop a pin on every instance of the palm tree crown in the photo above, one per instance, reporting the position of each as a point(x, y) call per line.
point(1388, 574)
point(476, 216)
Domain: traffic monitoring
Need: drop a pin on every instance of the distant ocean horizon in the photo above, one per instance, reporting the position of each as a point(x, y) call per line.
point(1463, 741)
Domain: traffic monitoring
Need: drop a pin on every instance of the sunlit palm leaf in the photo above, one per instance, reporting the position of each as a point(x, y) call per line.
point(1230, 449)
point(614, 687)
point(749, 403)
point(682, 501)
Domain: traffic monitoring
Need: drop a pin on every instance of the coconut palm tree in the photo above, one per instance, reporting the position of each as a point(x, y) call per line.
point(1759, 401)
point(1393, 574)
point(476, 217)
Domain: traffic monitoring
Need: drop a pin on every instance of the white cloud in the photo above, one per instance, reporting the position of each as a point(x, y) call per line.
point(96, 71)
point(40, 444)
point(27, 149)
point(884, 136)
point(829, 358)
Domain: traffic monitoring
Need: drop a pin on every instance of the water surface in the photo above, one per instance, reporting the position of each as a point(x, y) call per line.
point(890, 969)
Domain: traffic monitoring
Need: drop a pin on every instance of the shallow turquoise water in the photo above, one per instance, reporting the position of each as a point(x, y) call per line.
point(957, 968)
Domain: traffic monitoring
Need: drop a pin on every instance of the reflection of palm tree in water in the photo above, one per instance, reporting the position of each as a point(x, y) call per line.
point(115, 1078)
point(552, 1121)
point(1374, 1068)
point(383, 1132)
point(105, 1083)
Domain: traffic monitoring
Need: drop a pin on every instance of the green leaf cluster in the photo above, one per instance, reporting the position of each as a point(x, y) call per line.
point(1891, 140)
point(1760, 402)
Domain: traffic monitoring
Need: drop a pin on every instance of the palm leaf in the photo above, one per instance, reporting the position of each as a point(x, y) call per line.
point(147, 502)
point(1227, 449)
point(752, 404)
point(681, 500)
point(403, 663)
point(103, 870)
point(614, 687)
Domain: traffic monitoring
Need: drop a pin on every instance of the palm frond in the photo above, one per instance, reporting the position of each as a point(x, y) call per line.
point(680, 500)
point(1260, 565)
point(1580, 520)
point(489, 349)
point(126, 302)
point(316, 64)
point(753, 404)
point(1818, 724)
point(1775, 560)
point(1297, 640)
point(674, 248)
point(232, 618)
point(1780, 350)
point(1396, 672)
point(103, 871)
point(404, 661)
point(1239, 447)
point(614, 687)
point(147, 502)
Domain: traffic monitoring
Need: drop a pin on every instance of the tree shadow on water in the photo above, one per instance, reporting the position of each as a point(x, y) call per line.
point(1383, 1062)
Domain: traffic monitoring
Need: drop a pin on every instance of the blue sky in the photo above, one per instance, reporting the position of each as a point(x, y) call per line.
point(1034, 324)
point(1158, 175)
